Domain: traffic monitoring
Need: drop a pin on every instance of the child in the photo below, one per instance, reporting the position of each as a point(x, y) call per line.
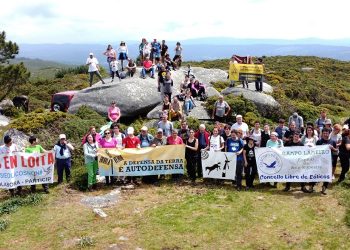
point(114, 69)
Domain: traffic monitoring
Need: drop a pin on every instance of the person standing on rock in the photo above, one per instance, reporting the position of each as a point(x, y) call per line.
point(163, 50)
point(111, 55)
point(34, 147)
point(168, 83)
point(122, 53)
point(93, 68)
point(259, 80)
point(221, 110)
point(141, 49)
point(178, 54)
point(63, 157)
point(114, 65)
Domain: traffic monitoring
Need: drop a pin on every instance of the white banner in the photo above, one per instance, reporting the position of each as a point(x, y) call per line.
point(294, 164)
point(218, 165)
point(22, 169)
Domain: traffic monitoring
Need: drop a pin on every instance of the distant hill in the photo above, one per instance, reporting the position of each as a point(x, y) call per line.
point(198, 49)
point(40, 68)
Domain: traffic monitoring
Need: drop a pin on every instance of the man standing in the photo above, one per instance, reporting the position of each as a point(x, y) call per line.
point(63, 157)
point(320, 122)
point(235, 145)
point(166, 125)
point(299, 121)
point(332, 146)
point(221, 110)
point(93, 68)
point(281, 129)
point(184, 132)
point(241, 125)
point(203, 141)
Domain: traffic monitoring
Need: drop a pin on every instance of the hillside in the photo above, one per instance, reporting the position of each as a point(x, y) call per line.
point(173, 216)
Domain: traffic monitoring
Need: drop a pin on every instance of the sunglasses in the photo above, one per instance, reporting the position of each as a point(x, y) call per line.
point(107, 133)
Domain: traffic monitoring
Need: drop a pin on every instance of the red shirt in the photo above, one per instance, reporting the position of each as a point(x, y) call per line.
point(131, 142)
point(172, 141)
point(147, 64)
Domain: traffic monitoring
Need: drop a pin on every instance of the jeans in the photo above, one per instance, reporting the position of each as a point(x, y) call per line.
point(144, 71)
point(188, 105)
point(239, 169)
point(63, 165)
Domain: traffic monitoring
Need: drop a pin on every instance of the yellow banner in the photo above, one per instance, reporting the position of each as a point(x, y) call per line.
point(144, 161)
point(252, 70)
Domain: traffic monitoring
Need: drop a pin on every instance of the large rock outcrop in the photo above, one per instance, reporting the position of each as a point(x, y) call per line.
point(136, 96)
point(265, 103)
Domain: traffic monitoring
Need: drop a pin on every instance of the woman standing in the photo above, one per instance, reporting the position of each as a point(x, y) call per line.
point(337, 137)
point(111, 55)
point(265, 136)
point(309, 139)
point(178, 54)
point(250, 168)
point(113, 112)
point(256, 133)
point(108, 142)
point(191, 156)
point(90, 157)
point(344, 154)
point(123, 53)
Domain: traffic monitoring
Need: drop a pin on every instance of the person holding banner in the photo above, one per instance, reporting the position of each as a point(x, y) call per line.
point(131, 141)
point(203, 141)
point(8, 148)
point(63, 158)
point(174, 139)
point(108, 142)
point(235, 145)
point(274, 141)
point(250, 168)
point(332, 146)
point(295, 142)
point(36, 148)
point(309, 139)
point(191, 156)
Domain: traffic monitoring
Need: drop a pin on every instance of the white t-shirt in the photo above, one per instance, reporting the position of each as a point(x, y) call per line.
point(7, 150)
point(93, 64)
point(215, 142)
point(242, 126)
point(220, 108)
point(114, 65)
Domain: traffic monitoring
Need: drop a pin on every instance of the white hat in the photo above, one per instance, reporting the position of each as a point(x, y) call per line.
point(202, 126)
point(238, 116)
point(160, 130)
point(91, 54)
point(274, 133)
point(144, 128)
point(328, 121)
point(130, 131)
point(62, 136)
point(346, 126)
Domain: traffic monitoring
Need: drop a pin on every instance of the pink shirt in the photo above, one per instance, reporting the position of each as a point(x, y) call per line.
point(147, 64)
point(172, 141)
point(114, 113)
point(108, 144)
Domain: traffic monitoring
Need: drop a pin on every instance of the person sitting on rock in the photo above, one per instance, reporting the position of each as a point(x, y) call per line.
point(188, 102)
point(169, 62)
point(147, 67)
point(198, 90)
point(175, 110)
point(131, 67)
point(166, 106)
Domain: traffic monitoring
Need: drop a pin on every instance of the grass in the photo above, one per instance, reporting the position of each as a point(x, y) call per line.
point(185, 217)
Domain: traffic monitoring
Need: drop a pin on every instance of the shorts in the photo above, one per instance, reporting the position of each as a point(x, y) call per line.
point(122, 56)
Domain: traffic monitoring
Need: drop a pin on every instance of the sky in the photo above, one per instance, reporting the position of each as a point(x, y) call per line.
point(103, 21)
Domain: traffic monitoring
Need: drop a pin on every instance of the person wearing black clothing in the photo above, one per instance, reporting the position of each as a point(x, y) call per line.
point(344, 154)
point(184, 132)
point(333, 147)
point(161, 76)
point(295, 141)
point(250, 168)
point(289, 133)
point(191, 156)
point(265, 135)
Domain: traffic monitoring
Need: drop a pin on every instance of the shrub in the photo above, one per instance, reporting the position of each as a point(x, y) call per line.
point(82, 69)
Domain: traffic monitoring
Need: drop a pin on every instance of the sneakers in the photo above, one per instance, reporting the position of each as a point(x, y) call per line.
point(323, 191)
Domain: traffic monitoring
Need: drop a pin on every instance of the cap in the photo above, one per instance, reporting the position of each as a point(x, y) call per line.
point(274, 133)
point(295, 113)
point(144, 128)
point(238, 116)
point(130, 131)
point(160, 130)
point(328, 121)
point(91, 54)
point(62, 136)
point(346, 126)
point(250, 138)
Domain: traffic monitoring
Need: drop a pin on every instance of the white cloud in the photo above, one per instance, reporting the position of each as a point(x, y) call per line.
point(69, 21)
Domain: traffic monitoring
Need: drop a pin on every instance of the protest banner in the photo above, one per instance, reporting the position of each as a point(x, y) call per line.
point(294, 164)
point(218, 165)
point(144, 161)
point(240, 72)
point(21, 169)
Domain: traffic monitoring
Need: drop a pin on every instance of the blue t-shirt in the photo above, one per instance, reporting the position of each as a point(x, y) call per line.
point(235, 146)
point(156, 47)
